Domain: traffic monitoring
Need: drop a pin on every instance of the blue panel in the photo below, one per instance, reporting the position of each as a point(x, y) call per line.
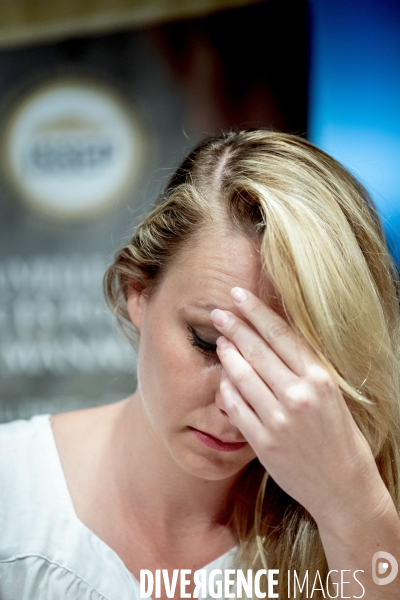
point(355, 96)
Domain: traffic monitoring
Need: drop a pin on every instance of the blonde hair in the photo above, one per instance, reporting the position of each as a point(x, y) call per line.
point(323, 249)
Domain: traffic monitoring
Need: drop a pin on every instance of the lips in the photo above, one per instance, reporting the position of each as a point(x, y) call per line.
point(216, 443)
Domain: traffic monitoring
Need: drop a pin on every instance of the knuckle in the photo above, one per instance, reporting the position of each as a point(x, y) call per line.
point(319, 377)
point(242, 377)
point(298, 397)
point(253, 309)
point(269, 445)
point(278, 422)
point(256, 353)
point(233, 327)
point(276, 330)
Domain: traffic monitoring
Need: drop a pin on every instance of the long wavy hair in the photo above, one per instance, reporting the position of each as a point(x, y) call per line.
point(323, 249)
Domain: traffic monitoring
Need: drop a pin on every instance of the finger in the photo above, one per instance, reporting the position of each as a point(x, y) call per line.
point(249, 384)
point(241, 414)
point(275, 330)
point(264, 360)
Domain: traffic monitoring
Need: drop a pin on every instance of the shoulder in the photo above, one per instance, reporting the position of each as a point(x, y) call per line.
point(21, 427)
point(35, 576)
point(80, 437)
point(20, 442)
point(45, 551)
point(31, 576)
point(26, 488)
point(73, 428)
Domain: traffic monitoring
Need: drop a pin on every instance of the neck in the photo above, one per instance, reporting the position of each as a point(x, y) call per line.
point(155, 489)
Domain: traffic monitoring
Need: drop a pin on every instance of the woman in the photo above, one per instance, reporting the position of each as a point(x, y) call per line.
point(262, 435)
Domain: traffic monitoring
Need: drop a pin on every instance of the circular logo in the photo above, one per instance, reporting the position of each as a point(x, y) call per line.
point(72, 148)
point(380, 563)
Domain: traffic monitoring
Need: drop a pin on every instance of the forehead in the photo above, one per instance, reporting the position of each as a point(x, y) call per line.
point(203, 274)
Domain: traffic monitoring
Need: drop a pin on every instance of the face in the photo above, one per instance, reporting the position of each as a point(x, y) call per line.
point(178, 369)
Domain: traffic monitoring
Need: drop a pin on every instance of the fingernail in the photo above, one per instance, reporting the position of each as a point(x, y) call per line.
point(238, 294)
point(219, 317)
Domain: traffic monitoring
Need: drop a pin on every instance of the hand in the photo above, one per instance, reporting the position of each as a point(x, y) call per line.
point(292, 413)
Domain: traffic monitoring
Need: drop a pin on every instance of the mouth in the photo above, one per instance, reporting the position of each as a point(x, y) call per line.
point(215, 443)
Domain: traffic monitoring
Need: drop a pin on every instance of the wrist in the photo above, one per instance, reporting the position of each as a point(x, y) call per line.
point(357, 513)
point(358, 496)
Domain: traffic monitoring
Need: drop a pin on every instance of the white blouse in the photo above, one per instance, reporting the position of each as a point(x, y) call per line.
point(46, 552)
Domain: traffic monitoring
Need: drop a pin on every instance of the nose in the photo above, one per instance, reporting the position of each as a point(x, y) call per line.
point(219, 403)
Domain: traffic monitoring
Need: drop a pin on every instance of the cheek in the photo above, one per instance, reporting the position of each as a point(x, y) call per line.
point(169, 372)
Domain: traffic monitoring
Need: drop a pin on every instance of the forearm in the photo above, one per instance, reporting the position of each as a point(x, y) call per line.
point(350, 544)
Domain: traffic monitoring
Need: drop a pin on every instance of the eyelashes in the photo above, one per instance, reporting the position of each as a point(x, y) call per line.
point(206, 348)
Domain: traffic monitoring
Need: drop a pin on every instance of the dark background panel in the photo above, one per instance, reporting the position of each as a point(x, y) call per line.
point(240, 67)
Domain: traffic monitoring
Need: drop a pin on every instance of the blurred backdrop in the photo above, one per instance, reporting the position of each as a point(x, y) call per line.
point(99, 101)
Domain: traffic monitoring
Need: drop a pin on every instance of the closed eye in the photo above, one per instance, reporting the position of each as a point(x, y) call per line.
point(207, 348)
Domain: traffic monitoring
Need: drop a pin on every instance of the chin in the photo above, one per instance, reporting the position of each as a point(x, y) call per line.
point(212, 468)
